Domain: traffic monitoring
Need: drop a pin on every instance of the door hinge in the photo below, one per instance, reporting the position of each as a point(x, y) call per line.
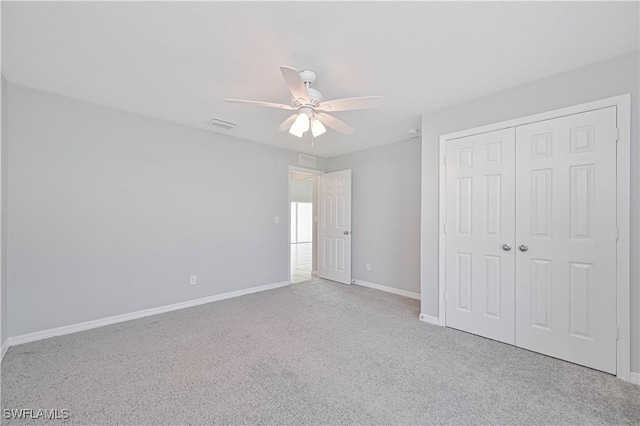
point(617, 333)
point(617, 234)
point(444, 228)
point(445, 160)
point(617, 134)
point(444, 296)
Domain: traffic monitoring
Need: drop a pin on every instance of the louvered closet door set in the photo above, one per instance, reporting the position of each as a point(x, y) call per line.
point(531, 237)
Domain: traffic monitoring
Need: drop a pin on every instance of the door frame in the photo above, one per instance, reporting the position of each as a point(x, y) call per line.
point(314, 201)
point(623, 204)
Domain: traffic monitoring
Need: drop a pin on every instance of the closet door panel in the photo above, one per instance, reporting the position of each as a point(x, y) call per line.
point(480, 221)
point(566, 225)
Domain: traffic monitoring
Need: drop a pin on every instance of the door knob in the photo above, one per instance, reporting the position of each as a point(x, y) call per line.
point(523, 247)
point(346, 232)
point(506, 247)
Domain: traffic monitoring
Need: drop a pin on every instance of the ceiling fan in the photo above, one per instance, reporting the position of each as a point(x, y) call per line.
point(311, 108)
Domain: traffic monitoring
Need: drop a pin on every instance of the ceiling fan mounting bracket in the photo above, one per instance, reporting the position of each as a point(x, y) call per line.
point(308, 77)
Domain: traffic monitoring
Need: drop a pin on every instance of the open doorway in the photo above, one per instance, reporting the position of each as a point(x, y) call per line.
point(303, 189)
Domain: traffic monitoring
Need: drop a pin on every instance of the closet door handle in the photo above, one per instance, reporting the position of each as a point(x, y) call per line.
point(523, 247)
point(506, 247)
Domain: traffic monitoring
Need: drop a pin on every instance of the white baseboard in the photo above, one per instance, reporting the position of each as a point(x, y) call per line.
point(429, 319)
point(634, 378)
point(74, 328)
point(387, 289)
point(314, 273)
point(5, 346)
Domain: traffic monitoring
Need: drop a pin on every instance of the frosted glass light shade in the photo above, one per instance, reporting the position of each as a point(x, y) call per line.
point(317, 128)
point(300, 126)
point(296, 131)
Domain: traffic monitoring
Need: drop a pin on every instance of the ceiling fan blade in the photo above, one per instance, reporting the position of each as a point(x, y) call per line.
point(287, 123)
point(347, 104)
point(261, 104)
point(295, 83)
point(337, 125)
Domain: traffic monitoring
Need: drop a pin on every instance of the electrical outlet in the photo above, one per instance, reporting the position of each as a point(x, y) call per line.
point(193, 280)
point(367, 266)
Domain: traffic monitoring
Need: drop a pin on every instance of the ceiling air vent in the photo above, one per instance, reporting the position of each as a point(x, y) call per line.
point(307, 160)
point(217, 122)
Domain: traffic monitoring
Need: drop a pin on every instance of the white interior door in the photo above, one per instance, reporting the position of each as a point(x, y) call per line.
point(335, 226)
point(566, 222)
point(480, 228)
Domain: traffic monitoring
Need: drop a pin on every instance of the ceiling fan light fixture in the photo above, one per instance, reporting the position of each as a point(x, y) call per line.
point(300, 126)
point(317, 128)
point(310, 107)
point(295, 131)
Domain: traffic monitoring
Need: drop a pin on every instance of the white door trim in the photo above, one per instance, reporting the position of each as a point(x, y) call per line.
point(315, 203)
point(623, 113)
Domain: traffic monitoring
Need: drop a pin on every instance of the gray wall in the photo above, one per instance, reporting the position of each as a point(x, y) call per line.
point(385, 213)
point(3, 213)
point(111, 212)
point(605, 79)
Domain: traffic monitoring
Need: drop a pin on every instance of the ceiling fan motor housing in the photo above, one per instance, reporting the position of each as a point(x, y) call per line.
point(315, 95)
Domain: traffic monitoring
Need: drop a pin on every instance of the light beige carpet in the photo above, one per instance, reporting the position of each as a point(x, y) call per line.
point(312, 353)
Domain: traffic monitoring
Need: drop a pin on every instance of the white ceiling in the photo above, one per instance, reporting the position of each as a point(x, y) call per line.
point(178, 61)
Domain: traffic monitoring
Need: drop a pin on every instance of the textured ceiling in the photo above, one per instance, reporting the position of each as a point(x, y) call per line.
point(178, 61)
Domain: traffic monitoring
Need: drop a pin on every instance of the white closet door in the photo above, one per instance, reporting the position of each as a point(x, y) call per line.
point(479, 222)
point(566, 224)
